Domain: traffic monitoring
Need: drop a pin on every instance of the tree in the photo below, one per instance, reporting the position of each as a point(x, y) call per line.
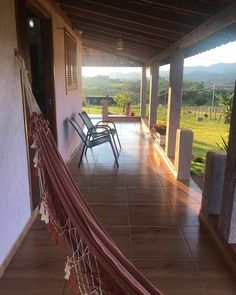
point(122, 98)
point(226, 102)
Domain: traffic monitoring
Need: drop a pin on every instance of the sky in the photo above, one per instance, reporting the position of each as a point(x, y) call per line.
point(222, 54)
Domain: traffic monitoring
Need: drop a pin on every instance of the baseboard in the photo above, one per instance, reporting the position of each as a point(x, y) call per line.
point(17, 243)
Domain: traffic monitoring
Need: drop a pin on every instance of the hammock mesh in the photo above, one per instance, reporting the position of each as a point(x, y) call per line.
point(94, 264)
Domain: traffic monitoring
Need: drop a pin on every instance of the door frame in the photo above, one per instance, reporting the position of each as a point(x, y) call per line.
point(49, 87)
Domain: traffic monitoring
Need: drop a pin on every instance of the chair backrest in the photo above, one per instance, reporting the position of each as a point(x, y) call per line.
point(78, 129)
point(87, 121)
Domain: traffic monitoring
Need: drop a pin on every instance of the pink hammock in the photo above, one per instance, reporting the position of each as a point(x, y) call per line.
point(94, 264)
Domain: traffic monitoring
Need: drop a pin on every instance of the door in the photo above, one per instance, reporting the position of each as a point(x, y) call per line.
point(36, 47)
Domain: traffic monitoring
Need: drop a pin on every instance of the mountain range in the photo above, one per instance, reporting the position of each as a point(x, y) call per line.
point(220, 72)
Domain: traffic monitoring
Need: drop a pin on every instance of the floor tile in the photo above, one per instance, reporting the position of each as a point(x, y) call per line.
point(201, 246)
point(142, 181)
point(158, 242)
point(121, 236)
point(150, 215)
point(178, 197)
point(111, 214)
point(187, 215)
point(107, 195)
point(108, 181)
point(173, 277)
point(146, 195)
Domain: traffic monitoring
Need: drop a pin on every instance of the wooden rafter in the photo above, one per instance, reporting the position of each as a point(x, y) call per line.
point(125, 23)
point(88, 28)
point(146, 10)
point(132, 32)
point(217, 22)
point(187, 6)
point(128, 16)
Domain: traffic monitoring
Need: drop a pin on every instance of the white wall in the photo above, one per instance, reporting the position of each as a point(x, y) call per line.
point(14, 186)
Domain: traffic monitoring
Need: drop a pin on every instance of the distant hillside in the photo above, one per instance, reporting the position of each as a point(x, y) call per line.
point(122, 76)
point(218, 72)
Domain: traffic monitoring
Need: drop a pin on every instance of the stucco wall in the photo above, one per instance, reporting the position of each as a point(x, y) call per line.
point(66, 104)
point(14, 186)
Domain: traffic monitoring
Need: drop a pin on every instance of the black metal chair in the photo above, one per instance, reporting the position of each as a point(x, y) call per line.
point(90, 141)
point(88, 123)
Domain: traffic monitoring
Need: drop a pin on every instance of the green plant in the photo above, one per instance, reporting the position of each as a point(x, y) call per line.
point(226, 103)
point(224, 145)
point(122, 98)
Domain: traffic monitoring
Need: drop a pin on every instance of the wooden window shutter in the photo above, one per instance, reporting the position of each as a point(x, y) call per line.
point(70, 63)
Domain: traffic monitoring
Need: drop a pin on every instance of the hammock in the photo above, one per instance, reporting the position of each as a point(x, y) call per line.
point(94, 265)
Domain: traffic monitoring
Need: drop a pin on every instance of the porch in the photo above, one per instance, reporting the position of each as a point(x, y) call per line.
point(151, 216)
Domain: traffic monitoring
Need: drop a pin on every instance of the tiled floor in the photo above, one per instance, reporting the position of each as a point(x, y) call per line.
point(152, 217)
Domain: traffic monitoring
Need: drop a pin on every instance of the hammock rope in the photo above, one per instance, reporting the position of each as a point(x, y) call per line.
point(94, 264)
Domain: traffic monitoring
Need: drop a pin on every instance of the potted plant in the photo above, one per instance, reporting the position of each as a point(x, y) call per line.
point(160, 128)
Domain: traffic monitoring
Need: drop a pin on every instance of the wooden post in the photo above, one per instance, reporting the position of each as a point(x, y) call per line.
point(174, 100)
point(153, 100)
point(143, 90)
point(227, 222)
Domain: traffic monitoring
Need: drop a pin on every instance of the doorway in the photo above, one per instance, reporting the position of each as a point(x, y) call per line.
point(35, 41)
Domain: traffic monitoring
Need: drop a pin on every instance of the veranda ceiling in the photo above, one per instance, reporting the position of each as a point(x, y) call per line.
point(150, 30)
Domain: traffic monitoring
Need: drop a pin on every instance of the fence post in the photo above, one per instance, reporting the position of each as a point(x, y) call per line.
point(104, 109)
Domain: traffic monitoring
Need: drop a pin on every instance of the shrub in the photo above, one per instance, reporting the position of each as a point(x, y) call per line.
point(160, 127)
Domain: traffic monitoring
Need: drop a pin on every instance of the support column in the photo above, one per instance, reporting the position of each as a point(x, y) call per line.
point(174, 100)
point(143, 90)
point(153, 97)
point(227, 222)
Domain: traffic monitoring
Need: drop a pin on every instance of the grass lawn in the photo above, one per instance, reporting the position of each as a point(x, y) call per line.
point(113, 110)
point(206, 134)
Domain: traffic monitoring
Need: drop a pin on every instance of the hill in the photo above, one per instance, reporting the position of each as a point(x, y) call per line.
point(220, 72)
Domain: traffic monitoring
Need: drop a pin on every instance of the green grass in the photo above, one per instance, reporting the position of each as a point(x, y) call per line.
point(113, 110)
point(206, 134)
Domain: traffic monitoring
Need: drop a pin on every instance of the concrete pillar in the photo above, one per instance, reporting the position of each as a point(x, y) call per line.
point(105, 110)
point(213, 183)
point(153, 98)
point(174, 100)
point(183, 153)
point(143, 90)
point(227, 220)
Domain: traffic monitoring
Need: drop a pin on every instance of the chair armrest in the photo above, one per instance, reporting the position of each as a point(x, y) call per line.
point(109, 122)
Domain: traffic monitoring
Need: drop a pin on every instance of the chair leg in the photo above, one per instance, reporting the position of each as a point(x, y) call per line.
point(81, 156)
point(114, 153)
point(118, 140)
point(114, 144)
point(85, 152)
point(117, 137)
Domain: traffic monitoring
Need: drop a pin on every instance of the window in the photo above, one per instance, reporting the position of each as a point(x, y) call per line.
point(70, 63)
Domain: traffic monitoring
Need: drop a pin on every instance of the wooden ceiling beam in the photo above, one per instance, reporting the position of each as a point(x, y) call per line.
point(108, 19)
point(145, 20)
point(123, 30)
point(219, 21)
point(118, 34)
point(142, 9)
point(188, 6)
